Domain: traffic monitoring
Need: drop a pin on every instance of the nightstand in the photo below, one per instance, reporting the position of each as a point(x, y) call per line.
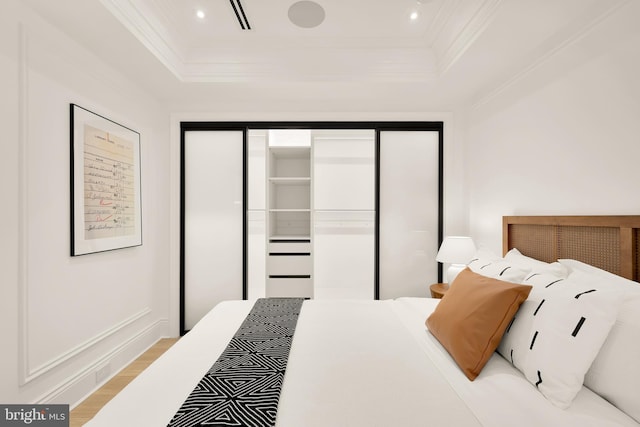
point(438, 290)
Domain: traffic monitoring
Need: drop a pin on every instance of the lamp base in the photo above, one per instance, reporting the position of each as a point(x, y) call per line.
point(453, 271)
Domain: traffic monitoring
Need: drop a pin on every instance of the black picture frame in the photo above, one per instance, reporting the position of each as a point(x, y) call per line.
point(106, 199)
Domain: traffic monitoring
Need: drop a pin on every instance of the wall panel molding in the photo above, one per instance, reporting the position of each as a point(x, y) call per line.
point(31, 374)
point(23, 205)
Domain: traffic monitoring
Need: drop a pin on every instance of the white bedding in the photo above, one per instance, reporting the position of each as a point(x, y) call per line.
point(357, 363)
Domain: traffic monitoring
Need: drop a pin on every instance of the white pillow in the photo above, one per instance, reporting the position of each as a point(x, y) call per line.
point(620, 282)
point(484, 252)
point(615, 373)
point(516, 257)
point(557, 333)
point(497, 268)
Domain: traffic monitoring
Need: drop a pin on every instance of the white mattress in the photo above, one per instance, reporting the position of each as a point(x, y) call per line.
point(357, 363)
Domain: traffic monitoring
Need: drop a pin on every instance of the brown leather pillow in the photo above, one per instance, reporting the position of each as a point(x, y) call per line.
point(472, 316)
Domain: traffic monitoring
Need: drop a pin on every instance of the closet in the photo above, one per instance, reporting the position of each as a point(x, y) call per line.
point(311, 193)
point(313, 210)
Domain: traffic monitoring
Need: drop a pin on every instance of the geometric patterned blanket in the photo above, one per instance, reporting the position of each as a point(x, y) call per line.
point(242, 388)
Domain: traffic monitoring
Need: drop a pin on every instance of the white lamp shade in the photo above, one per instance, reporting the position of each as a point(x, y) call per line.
point(456, 250)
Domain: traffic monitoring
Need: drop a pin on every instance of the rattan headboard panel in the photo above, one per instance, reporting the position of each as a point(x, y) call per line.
point(538, 240)
point(598, 246)
point(611, 243)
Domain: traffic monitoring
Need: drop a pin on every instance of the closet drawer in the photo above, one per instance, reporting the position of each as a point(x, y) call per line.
point(289, 265)
point(289, 247)
point(290, 287)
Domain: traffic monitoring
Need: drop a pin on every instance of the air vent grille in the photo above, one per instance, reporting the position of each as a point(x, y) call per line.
point(242, 17)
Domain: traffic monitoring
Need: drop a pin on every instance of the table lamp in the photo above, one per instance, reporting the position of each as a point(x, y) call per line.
point(457, 251)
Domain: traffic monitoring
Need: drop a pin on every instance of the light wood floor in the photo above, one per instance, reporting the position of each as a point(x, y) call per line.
point(92, 404)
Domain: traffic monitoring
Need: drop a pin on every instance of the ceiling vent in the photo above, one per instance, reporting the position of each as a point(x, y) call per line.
point(242, 18)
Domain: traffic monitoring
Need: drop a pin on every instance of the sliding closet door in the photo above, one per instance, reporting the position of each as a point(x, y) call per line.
point(256, 214)
point(344, 213)
point(213, 221)
point(409, 212)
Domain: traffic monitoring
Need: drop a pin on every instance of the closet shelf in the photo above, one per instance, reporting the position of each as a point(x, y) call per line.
point(295, 180)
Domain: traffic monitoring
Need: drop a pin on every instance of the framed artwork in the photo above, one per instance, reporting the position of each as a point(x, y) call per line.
point(106, 207)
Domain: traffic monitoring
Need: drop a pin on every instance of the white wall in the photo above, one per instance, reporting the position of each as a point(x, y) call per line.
point(63, 317)
point(562, 138)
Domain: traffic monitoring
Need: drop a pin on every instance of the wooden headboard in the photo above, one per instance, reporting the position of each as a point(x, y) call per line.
point(607, 242)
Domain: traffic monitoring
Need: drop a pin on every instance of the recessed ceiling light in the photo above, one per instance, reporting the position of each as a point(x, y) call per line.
point(306, 14)
point(200, 14)
point(413, 16)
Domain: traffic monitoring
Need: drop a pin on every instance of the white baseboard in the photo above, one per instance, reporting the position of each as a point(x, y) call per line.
point(74, 389)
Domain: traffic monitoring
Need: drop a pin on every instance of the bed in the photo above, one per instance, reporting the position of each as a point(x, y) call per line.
point(375, 363)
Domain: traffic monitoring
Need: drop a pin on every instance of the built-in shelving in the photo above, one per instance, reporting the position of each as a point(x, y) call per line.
point(289, 260)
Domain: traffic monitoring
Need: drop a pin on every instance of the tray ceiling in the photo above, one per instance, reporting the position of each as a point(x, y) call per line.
point(454, 49)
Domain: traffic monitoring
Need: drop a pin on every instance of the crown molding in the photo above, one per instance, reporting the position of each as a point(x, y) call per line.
point(441, 20)
point(539, 61)
point(471, 31)
point(296, 64)
point(167, 51)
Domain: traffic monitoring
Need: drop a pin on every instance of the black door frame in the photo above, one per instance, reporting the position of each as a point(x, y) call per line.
point(245, 126)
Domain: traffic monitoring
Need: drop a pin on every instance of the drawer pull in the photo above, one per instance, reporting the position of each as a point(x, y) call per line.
point(289, 254)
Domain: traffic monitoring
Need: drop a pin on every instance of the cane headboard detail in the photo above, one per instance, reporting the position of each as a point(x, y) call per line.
point(611, 243)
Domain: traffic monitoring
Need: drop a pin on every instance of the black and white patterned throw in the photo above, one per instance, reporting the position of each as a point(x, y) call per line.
point(242, 388)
